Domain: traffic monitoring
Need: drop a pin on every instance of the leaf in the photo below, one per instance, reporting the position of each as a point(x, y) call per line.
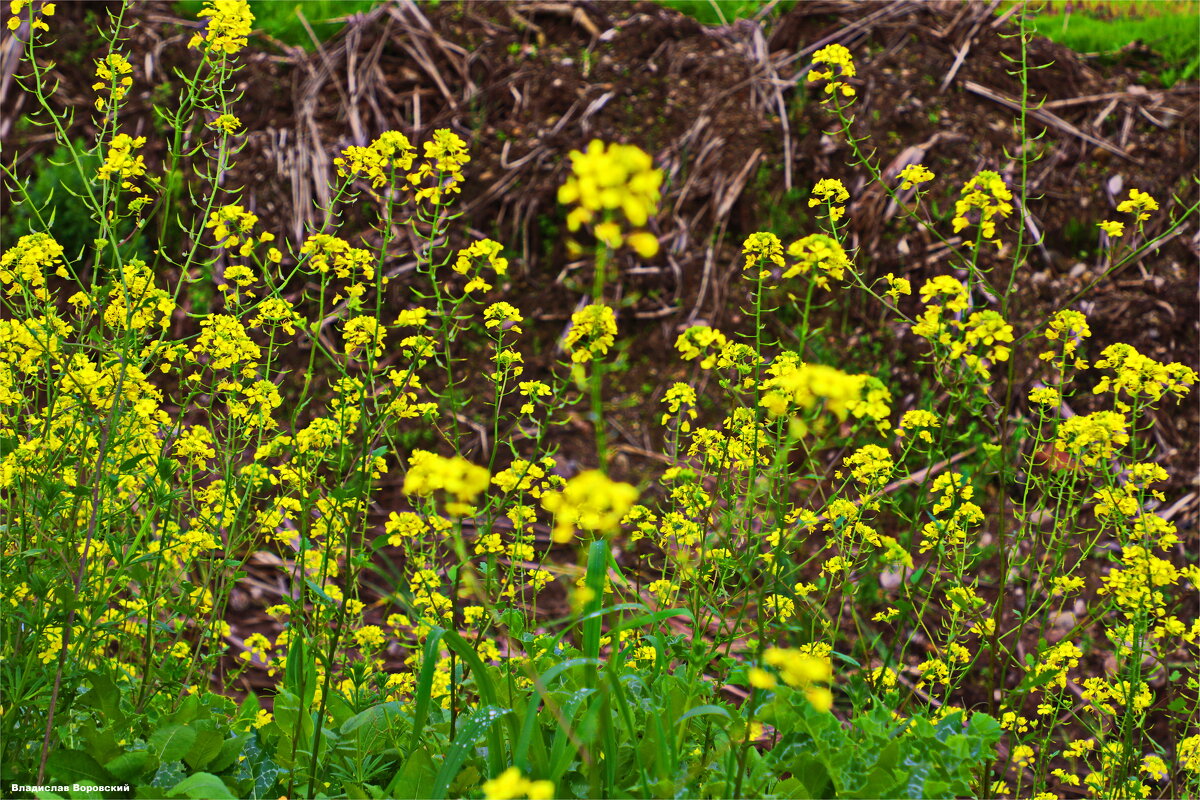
point(258, 768)
point(172, 742)
point(203, 785)
point(168, 775)
point(377, 727)
point(127, 766)
point(475, 727)
point(415, 778)
point(73, 766)
point(207, 747)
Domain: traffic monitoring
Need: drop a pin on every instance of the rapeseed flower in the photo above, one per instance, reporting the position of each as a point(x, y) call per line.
point(593, 330)
point(461, 480)
point(120, 163)
point(914, 175)
point(1139, 203)
point(610, 178)
point(36, 23)
point(114, 74)
point(25, 265)
point(839, 66)
point(230, 22)
point(589, 501)
point(987, 194)
point(830, 193)
point(820, 256)
point(510, 785)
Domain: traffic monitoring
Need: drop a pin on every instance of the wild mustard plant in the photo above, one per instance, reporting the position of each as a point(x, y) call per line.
point(803, 602)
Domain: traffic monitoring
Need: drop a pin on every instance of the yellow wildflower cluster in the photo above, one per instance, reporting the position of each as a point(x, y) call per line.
point(801, 670)
point(510, 785)
point(987, 194)
point(460, 480)
point(120, 163)
point(1141, 377)
point(680, 400)
point(870, 465)
point(25, 265)
point(953, 513)
point(820, 256)
point(920, 421)
point(1071, 328)
point(1139, 203)
point(982, 339)
point(1092, 438)
point(830, 193)
point(605, 179)
point(441, 172)
point(392, 153)
point(229, 23)
point(232, 227)
point(839, 66)
point(113, 72)
point(593, 330)
point(795, 387)
point(589, 501)
point(764, 254)
point(15, 7)
point(914, 175)
point(471, 259)
point(135, 302)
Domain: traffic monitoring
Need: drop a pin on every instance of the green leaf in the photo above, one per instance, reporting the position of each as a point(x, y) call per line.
point(172, 742)
point(415, 778)
point(73, 766)
point(127, 766)
point(207, 746)
point(377, 727)
point(258, 768)
point(168, 775)
point(202, 785)
point(424, 686)
point(475, 727)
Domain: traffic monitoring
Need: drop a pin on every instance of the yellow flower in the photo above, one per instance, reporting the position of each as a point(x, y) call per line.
point(593, 330)
point(914, 175)
point(457, 477)
point(610, 178)
point(230, 22)
point(590, 501)
point(831, 193)
point(120, 162)
point(833, 56)
point(1139, 203)
point(113, 73)
point(820, 256)
point(509, 785)
point(987, 194)
point(1115, 230)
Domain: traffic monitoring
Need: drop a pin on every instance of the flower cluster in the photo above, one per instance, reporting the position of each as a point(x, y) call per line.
point(460, 480)
point(988, 195)
point(839, 66)
point(229, 23)
point(589, 501)
point(510, 785)
point(25, 265)
point(113, 72)
point(120, 163)
point(471, 259)
point(15, 7)
point(605, 179)
point(914, 175)
point(593, 330)
point(1141, 377)
point(831, 194)
point(800, 670)
point(820, 256)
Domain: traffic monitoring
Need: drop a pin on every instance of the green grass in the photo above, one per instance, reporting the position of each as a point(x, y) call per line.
point(1171, 35)
point(722, 12)
point(278, 18)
